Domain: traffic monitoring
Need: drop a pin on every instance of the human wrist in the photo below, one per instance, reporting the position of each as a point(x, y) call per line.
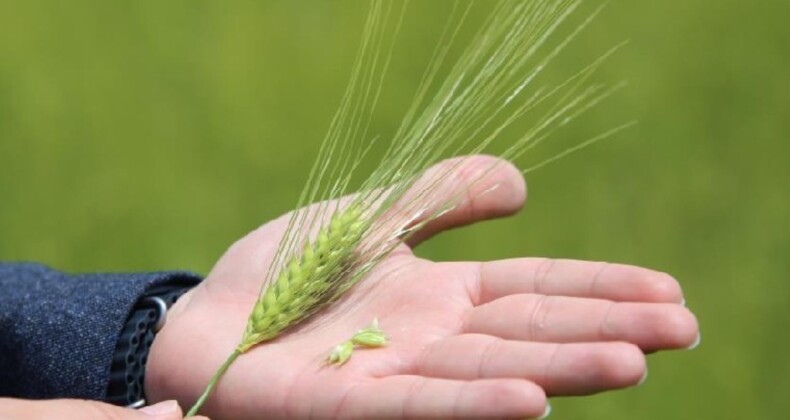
point(160, 353)
point(130, 359)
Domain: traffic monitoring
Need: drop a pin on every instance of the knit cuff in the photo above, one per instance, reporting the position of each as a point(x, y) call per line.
point(59, 331)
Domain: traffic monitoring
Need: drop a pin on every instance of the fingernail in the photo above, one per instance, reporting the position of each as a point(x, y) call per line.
point(160, 409)
point(644, 378)
point(683, 302)
point(546, 412)
point(696, 342)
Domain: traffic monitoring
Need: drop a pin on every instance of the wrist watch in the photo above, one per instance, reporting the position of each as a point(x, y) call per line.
point(127, 371)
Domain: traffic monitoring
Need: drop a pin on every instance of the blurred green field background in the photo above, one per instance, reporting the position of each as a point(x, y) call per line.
point(151, 135)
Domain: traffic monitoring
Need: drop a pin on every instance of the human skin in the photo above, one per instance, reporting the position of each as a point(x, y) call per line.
point(65, 409)
point(468, 339)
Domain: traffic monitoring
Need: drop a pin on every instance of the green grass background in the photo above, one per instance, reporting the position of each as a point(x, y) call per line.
point(151, 135)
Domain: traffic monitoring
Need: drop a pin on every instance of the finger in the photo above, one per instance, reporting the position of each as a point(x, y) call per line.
point(481, 187)
point(600, 280)
point(560, 369)
point(558, 319)
point(85, 410)
point(407, 396)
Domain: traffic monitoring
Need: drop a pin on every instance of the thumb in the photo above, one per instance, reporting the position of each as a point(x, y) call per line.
point(165, 410)
point(85, 410)
point(481, 188)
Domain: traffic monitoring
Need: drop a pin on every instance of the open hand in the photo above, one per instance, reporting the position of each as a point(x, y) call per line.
point(468, 339)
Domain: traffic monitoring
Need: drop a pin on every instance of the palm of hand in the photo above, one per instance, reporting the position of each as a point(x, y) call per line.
point(467, 339)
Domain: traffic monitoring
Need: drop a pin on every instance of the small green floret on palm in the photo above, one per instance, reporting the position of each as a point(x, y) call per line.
point(369, 337)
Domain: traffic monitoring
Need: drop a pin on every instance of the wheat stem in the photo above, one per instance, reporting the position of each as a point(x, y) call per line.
point(213, 383)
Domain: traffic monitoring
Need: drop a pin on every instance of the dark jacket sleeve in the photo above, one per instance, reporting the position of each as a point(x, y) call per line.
point(58, 332)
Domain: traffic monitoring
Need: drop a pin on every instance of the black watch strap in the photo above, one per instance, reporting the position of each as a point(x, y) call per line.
point(127, 372)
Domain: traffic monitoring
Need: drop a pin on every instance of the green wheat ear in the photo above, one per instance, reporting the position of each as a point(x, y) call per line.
point(307, 281)
point(305, 284)
point(490, 86)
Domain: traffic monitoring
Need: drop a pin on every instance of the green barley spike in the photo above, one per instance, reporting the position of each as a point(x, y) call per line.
point(306, 279)
point(304, 284)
